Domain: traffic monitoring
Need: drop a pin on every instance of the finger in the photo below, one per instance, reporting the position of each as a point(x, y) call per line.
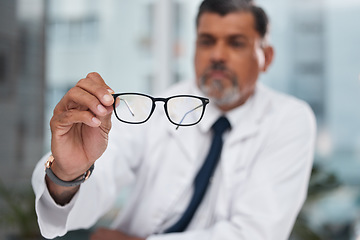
point(95, 85)
point(98, 234)
point(94, 236)
point(106, 120)
point(81, 99)
point(62, 123)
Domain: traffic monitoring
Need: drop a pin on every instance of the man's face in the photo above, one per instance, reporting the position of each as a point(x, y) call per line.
point(229, 57)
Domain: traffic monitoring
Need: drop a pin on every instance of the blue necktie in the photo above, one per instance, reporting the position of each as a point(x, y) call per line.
point(203, 176)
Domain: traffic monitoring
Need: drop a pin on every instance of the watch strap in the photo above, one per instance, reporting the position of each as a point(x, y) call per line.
point(60, 182)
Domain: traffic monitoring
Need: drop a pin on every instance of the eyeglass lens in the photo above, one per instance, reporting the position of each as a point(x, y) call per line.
point(184, 110)
point(133, 108)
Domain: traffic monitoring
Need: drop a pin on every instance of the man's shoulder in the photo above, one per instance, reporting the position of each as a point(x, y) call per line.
point(282, 108)
point(280, 100)
point(287, 116)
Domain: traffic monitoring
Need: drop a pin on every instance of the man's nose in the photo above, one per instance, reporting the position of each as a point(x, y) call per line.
point(219, 53)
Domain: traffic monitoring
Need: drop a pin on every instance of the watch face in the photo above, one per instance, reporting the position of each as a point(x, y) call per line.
point(49, 161)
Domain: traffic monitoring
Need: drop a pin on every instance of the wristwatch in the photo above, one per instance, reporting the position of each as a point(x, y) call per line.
point(60, 182)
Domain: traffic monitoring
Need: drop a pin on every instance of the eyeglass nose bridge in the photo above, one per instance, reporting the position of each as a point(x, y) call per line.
point(160, 100)
point(164, 100)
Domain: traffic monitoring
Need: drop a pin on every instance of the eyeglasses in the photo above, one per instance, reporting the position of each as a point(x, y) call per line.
point(181, 110)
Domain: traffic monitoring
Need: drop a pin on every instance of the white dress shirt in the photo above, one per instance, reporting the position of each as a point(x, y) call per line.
point(256, 193)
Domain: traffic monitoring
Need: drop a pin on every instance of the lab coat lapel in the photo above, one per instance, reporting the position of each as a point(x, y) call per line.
point(186, 140)
point(242, 132)
point(246, 120)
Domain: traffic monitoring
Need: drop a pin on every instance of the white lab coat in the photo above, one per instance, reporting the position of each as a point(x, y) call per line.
point(256, 193)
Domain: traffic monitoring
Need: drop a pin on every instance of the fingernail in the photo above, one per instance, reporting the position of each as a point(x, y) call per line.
point(96, 121)
point(110, 91)
point(101, 108)
point(107, 98)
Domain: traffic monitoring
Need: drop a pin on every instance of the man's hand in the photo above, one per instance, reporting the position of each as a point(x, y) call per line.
point(80, 126)
point(107, 234)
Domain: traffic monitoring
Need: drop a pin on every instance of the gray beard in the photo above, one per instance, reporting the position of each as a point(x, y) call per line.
point(228, 95)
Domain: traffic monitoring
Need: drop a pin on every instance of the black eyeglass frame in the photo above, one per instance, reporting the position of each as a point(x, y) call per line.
point(204, 101)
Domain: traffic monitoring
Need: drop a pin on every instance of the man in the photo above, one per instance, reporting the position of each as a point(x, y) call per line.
point(260, 181)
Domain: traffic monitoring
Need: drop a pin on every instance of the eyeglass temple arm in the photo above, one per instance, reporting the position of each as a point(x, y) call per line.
point(182, 119)
point(128, 106)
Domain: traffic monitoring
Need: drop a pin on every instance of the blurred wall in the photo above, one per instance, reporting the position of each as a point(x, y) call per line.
point(22, 82)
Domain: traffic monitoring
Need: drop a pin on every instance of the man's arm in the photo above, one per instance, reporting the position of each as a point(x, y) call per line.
point(79, 128)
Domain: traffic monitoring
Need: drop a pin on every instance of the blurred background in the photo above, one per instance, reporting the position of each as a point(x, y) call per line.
point(46, 46)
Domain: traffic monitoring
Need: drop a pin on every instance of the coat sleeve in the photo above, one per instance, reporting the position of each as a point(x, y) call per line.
point(113, 170)
point(276, 184)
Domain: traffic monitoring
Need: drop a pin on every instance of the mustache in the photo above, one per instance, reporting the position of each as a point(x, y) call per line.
point(218, 66)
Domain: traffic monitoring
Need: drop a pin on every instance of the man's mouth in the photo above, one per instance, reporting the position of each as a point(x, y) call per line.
point(217, 74)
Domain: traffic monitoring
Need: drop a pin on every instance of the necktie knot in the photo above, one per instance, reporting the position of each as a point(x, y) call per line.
point(221, 125)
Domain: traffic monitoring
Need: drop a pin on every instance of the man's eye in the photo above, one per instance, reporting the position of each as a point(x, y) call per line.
point(237, 44)
point(205, 42)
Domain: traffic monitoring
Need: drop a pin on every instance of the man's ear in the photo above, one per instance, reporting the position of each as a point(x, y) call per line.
point(268, 57)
